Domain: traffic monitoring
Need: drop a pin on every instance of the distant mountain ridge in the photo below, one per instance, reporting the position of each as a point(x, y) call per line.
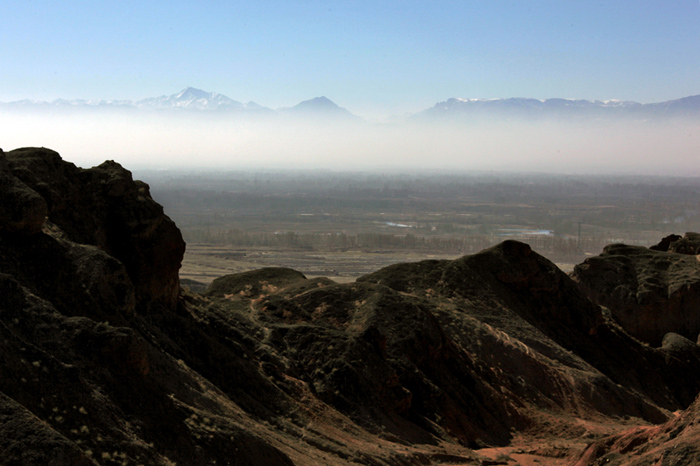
point(321, 107)
point(193, 99)
point(558, 107)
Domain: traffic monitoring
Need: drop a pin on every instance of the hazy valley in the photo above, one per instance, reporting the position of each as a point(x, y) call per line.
point(343, 225)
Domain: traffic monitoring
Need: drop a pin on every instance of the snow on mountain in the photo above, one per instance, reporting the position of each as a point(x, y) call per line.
point(191, 99)
point(518, 102)
point(188, 99)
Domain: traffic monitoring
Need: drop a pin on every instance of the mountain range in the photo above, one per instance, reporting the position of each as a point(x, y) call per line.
point(192, 99)
point(536, 108)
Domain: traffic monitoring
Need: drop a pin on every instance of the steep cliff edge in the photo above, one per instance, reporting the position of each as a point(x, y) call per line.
point(104, 207)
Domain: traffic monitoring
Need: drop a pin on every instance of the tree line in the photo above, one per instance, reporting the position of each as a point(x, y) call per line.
point(557, 248)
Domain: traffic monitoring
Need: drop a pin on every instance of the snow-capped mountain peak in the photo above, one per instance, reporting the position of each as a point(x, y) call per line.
point(191, 98)
point(192, 93)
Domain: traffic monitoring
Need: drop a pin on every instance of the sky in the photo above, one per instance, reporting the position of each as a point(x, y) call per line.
point(376, 58)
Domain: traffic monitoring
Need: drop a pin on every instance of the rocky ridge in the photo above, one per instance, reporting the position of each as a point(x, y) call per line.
point(106, 360)
point(650, 292)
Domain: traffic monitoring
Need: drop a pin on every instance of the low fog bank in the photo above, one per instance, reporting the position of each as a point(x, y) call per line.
point(217, 142)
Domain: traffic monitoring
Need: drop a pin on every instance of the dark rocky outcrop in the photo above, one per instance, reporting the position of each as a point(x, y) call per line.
point(104, 207)
point(84, 378)
point(526, 298)
point(649, 292)
point(382, 358)
point(688, 244)
point(665, 243)
point(22, 210)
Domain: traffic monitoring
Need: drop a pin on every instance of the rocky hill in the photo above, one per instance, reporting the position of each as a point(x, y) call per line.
point(493, 358)
point(651, 292)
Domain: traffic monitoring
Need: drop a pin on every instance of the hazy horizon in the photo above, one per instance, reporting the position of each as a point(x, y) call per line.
point(377, 59)
point(215, 142)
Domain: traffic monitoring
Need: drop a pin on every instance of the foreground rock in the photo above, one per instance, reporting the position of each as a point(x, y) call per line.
point(85, 377)
point(106, 208)
point(105, 362)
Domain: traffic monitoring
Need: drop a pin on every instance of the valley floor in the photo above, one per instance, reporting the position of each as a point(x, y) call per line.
point(204, 263)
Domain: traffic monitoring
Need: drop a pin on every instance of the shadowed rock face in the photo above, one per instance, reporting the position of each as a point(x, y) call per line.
point(649, 293)
point(689, 244)
point(576, 356)
point(104, 207)
point(665, 243)
point(23, 210)
point(382, 358)
point(88, 263)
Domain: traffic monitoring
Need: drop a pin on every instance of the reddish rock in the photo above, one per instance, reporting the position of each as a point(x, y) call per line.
point(676, 443)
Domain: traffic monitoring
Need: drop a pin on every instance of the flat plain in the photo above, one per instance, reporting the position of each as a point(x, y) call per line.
point(344, 225)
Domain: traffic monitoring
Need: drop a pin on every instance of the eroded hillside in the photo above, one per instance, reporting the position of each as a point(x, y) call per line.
point(493, 358)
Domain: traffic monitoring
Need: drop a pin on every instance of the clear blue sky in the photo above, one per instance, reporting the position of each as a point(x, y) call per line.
point(373, 57)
